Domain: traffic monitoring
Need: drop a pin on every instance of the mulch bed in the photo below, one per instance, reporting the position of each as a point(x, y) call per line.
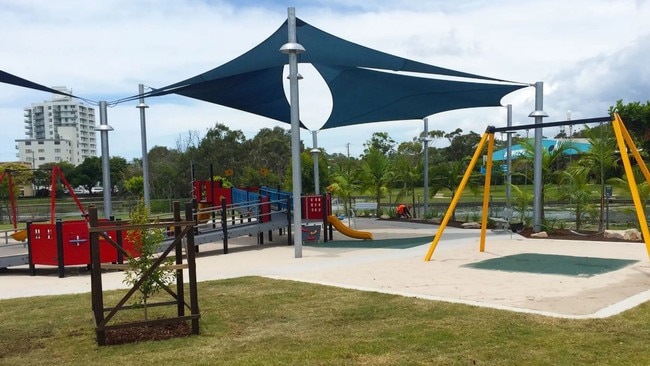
point(147, 333)
point(563, 234)
point(566, 234)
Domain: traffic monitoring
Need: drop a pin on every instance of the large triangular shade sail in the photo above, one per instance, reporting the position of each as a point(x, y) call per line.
point(8, 78)
point(366, 85)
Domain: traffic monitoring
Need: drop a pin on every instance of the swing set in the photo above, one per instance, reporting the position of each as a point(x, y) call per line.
point(622, 138)
point(21, 235)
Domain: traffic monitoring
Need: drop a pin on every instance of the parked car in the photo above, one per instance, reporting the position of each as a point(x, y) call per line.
point(97, 190)
point(80, 190)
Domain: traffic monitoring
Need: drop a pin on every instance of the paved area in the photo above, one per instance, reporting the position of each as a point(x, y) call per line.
point(447, 277)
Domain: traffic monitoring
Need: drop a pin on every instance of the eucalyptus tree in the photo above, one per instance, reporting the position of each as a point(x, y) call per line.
point(118, 167)
point(307, 172)
point(224, 149)
point(89, 172)
point(270, 152)
point(169, 173)
point(43, 175)
point(381, 142)
point(636, 117)
point(461, 145)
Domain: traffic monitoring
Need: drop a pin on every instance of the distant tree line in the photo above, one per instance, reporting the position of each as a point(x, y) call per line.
point(385, 170)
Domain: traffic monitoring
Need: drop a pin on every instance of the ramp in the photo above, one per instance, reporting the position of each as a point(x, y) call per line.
point(343, 229)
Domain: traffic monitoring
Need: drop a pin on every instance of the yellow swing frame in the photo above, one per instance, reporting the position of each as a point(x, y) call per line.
point(622, 137)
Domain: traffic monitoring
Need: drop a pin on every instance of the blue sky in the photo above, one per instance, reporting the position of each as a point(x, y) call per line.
point(589, 53)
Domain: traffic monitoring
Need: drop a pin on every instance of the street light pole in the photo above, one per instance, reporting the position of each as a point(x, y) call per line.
point(293, 48)
point(315, 151)
point(103, 129)
point(509, 158)
point(538, 114)
point(143, 137)
point(425, 139)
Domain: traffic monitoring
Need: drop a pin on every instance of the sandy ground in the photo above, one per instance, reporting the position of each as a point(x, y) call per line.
point(405, 272)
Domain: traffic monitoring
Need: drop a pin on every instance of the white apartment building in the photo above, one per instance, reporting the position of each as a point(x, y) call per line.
point(61, 129)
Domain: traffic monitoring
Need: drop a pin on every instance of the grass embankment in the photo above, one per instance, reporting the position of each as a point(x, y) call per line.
point(252, 320)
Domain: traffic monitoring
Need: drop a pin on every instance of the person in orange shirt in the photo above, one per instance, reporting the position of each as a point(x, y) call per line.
point(403, 211)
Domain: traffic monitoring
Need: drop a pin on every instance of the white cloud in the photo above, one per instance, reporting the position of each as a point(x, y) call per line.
point(589, 53)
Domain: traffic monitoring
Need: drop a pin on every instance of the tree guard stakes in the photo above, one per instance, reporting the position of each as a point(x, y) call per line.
point(182, 229)
point(623, 140)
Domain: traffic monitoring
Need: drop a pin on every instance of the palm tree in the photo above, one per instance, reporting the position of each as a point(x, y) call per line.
point(551, 158)
point(643, 188)
point(573, 185)
point(521, 201)
point(375, 174)
point(599, 160)
point(342, 186)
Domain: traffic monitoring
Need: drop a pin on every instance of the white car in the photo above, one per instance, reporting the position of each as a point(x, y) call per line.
point(80, 190)
point(97, 190)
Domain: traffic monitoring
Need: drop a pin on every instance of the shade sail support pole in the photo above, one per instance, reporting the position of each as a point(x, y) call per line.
point(103, 129)
point(293, 48)
point(538, 114)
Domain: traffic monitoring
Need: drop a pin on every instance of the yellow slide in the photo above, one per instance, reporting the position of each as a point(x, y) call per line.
point(365, 235)
point(20, 235)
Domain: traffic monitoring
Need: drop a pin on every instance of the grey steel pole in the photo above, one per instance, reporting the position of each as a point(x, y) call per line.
point(106, 166)
point(143, 136)
point(509, 158)
point(315, 153)
point(538, 114)
point(293, 48)
point(425, 140)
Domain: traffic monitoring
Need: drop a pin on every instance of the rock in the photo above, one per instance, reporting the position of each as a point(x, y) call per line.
point(632, 235)
point(470, 225)
point(614, 234)
point(436, 221)
point(384, 217)
point(541, 234)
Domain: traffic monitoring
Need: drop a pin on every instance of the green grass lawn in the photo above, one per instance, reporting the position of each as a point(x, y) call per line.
point(258, 321)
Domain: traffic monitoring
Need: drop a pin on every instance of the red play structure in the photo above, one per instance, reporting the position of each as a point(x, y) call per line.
point(67, 243)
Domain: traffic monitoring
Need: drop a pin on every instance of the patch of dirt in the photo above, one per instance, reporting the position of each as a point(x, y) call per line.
point(147, 333)
point(562, 234)
point(566, 234)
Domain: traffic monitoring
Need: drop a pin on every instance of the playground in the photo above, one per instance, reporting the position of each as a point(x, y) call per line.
point(219, 214)
point(462, 273)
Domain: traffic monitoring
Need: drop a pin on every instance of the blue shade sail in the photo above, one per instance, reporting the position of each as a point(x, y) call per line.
point(364, 83)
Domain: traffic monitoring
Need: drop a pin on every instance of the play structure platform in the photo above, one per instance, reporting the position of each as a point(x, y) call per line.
point(235, 213)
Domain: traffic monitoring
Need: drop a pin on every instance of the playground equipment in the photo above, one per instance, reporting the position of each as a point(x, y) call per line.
point(320, 207)
point(345, 230)
point(622, 137)
point(19, 235)
point(219, 214)
point(58, 243)
point(66, 243)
